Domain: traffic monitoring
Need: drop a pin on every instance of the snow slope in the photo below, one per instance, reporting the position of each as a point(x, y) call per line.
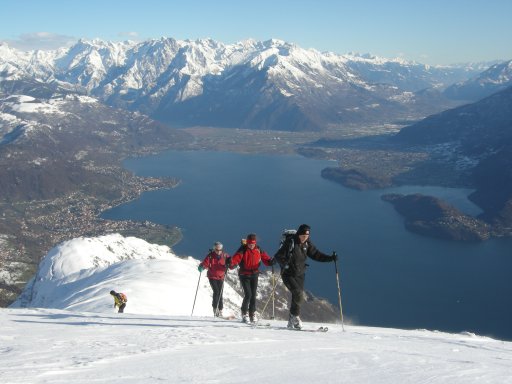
point(76, 336)
point(56, 346)
point(79, 274)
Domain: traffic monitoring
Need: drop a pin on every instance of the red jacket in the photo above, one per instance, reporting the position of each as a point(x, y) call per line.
point(215, 264)
point(249, 260)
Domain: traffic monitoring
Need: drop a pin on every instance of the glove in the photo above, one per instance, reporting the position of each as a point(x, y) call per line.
point(200, 268)
point(334, 256)
point(272, 262)
point(228, 262)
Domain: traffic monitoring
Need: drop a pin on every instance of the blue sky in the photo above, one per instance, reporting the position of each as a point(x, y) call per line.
point(428, 31)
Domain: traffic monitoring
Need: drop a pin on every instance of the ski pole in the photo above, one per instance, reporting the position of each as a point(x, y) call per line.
point(273, 295)
point(195, 297)
point(339, 290)
point(220, 295)
point(268, 301)
point(221, 289)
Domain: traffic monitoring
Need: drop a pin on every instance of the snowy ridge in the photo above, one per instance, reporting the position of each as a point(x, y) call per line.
point(28, 104)
point(498, 77)
point(15, 114)
point(79, 274)
point(168, 78)
point(105, 66)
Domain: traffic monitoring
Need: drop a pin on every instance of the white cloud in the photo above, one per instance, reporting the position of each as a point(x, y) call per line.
point(40, 40)
point(129, 35)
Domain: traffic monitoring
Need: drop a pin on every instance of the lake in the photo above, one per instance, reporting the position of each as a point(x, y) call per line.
point(389, 277)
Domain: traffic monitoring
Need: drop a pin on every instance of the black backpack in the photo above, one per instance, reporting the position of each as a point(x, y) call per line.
point(288, 241)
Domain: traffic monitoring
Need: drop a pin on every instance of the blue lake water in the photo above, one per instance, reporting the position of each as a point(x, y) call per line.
point(389, 276)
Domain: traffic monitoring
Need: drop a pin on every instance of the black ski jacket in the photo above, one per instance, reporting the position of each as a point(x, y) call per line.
point(293, 263)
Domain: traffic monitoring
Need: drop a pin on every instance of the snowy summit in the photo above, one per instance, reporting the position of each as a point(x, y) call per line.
point(64, 329)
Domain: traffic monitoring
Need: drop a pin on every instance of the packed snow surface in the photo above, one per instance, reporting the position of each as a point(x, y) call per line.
point(76, 336)
point(56, 346)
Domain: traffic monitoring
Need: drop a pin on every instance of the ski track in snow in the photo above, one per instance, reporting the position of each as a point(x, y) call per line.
point(57, 346)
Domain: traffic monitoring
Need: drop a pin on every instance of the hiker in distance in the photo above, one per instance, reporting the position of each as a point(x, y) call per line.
point(291, 256)
point(119, 300)
point(215, 263)
point(249, 256)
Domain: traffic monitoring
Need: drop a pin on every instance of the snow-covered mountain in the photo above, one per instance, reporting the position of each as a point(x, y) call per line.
point(76, 336)
point(249, 84)
point(497, 78)
point(79, 274)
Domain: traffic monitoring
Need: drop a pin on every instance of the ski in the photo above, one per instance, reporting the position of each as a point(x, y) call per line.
point(229, 318)
point(261, 325)
point(268, 325)
point(320, 329)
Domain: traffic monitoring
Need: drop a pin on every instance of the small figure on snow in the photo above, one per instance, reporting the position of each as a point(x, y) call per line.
point(249, 256)
point(216, 264)
point(291, 256)
point(120, 300)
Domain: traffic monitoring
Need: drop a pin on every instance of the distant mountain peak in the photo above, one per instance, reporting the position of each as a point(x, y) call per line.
point(270, 84)
point(494, 79)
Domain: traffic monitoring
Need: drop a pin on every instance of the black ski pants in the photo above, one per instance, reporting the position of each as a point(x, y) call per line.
point(217, 294)
point(295, 285)
point(121, 308)
point(250, 286)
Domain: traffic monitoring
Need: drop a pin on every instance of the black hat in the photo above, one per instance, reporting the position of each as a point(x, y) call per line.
point(303, 229)
point(112, 292)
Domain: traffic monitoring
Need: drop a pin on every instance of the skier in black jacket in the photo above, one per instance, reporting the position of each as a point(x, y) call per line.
point(292, 258)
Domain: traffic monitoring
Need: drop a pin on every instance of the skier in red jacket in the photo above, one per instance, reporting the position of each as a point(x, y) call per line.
point(215, 263)
point(249, 256)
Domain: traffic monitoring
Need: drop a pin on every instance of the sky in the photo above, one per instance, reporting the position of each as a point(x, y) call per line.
point(430, 32)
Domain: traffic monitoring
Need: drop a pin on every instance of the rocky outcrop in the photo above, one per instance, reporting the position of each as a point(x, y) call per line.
point(482, 133)
point(356, 179)
point(430, 216)
point(493, 181)
point(313, 309)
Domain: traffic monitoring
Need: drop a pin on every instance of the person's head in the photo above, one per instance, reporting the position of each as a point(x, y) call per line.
point(303, 232)
point(113, 292)
point(217, 246)
point(251, 240)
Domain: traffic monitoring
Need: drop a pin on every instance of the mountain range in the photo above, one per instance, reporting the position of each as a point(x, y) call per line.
point(250, 84)
point(497, 78)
